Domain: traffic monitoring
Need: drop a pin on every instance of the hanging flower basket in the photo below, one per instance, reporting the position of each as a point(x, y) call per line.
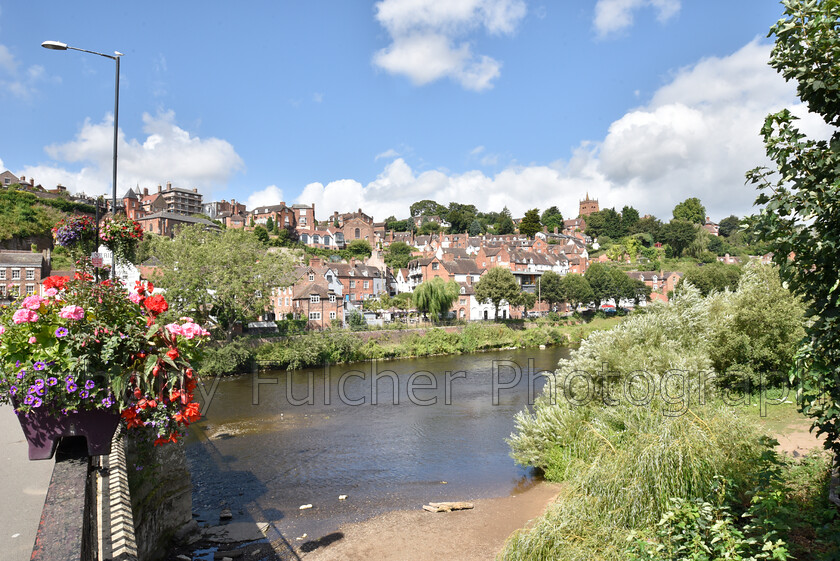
point(87, 352)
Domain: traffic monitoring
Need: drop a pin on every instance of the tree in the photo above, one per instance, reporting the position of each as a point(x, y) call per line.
point(530, 224)
point(605, 222)
point(221, 277)
point(526, 300)
point(729, 225)
point(261, 233)
point(575, 290)
point(460, 217)
point(690, 210)
point(427, 207)
point(496, 286)
point(428, 227)
point(475, 228)
point(435, 297)
point(552, 218)
point(359, 249)
point(398, 255)
point(551, 288)
point(712, 277)
point(505, 223)
point(269, 224)
point(629, 218)
point(679, 234)
point(801, 215)
point(648, 225)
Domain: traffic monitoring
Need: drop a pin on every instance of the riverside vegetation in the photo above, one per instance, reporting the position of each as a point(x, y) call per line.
point(340, 346)
point(684, 474)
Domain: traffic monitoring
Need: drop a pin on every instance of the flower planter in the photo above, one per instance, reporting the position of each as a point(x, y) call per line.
point(43, 430)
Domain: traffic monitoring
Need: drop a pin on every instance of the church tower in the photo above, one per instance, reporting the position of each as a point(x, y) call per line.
point(588, 206)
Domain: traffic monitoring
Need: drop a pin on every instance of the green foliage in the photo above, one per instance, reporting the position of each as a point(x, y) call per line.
point(802, 200)
point(360, 249)
point(427, 207)
point(261, 233)
point(729, 225)
point(679, 234)
point(530, 224)
point(712, 277)
point(552, 218)
point(219, 276)
point(475, 228)
point(505, 224)
point(356, 321)
point(629, 218)
point(428, 227)
point(648, 225)
point(232, 358)
point(460, 217)
point(606, 222)
point(435, 297)
point(576, 290)
point(398, 255)
point(496, 286)
point(690, 210)
point(23, 214)
point(551, 289)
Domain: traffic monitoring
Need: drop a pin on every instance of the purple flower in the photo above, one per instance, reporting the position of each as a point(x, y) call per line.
point(83, 394)
point(21, 374)
point(71, 386)
point(13, 390)
point(89, 385)
point(40, 365)
point(29, 399)
point(17, 364)
point(32, 389)
point(52, 381)
point(107, 402)
point(61, 332)
point(39, 383)
point(37, 402)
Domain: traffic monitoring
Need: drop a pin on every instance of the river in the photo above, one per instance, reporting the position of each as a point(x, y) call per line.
point(273, 441)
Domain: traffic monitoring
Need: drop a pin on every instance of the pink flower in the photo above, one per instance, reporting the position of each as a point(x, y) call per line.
point(25, 316)
point(72, 312)
point(190, 330)
point(32, 302)
point(134, 297)
point(32, 340)
point(50, 292)
point(2, 330)
point(175, 329)
point(187, 319)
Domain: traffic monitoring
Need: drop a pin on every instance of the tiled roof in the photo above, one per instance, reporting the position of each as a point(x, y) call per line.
point(20, 259)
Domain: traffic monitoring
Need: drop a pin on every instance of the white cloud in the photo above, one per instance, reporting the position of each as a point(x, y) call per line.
point(615, 15)
point(271, 195)
point(20, 83)
point(697, 136)
point(426, 38)
point(167, 153)
point(388, 154)
point(318, 97)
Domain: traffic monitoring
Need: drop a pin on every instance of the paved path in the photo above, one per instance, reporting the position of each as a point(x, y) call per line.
point(23, 487)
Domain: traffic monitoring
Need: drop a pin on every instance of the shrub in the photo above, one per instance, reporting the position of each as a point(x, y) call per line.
point(232, 358)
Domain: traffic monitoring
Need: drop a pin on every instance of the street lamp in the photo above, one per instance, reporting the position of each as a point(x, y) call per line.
point(58, 46)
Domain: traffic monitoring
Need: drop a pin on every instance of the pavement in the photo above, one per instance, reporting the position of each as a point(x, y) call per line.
point(23, 488)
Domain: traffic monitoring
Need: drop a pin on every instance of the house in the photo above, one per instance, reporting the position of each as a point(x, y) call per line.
point(331, 238)
point(711, 227)
point(166, 223)
point(361, 282)
point(315, 295)
point(21, 273)
point(281, 216)
point(661, 282)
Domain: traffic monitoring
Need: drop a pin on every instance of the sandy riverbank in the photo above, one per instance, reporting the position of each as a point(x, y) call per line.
point(467, 535)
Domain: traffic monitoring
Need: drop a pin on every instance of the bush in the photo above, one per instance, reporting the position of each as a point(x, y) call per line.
point(232, 358)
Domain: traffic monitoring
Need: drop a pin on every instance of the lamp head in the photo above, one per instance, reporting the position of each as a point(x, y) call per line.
point(54, 45)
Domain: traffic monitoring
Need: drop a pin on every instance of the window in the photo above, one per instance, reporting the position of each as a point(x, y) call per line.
point(30, 274)
point(287, 300)
point(2, 274)
point(463, 301)
point(314, 315)
point(30, 289)
point(15, 274)
point(314, 298)
point(435, 266)
point(358, 233)
point(332, 315)
point(366, 284)
point(332, 299)
point(352, 284)
point(311, 277)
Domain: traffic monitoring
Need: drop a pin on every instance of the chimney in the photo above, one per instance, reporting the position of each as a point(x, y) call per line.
point(282, 203)
point(316, 262)
point(545, 229)
point(158, 188)
point(195, 189)
point(145, 191)
point(555, 230)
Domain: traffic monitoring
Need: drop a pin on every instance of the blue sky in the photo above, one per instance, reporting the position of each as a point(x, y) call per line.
point(350, 104)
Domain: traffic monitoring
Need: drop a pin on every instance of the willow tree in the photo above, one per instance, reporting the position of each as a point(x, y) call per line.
point(435, 297)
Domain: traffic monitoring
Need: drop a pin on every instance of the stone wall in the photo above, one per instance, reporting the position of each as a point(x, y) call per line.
point(161, 497)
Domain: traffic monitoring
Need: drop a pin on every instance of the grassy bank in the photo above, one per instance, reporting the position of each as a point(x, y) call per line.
point(337, 346)
point(659, 463)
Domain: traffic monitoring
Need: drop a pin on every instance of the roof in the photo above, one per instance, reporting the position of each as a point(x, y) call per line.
point(21, 259)
point(268, 208)
point(130, 194)
point(307, 289)
point(178, 217)
point(462, 267)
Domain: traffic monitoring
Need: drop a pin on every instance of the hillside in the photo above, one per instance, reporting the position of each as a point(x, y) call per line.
point(23, 214)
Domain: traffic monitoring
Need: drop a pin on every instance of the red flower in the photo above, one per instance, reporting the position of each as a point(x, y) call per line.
point(56, 282)
point(156, 304)
point(172, 353)
point(82, 276)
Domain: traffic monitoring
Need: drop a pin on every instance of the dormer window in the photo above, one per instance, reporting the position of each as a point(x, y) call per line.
point(311, 277)
point(314, 298)
point(463, 290)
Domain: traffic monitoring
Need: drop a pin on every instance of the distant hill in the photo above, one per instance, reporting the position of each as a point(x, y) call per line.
point(24, 215)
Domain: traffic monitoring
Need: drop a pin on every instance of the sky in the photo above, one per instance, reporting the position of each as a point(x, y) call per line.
point(378, 104)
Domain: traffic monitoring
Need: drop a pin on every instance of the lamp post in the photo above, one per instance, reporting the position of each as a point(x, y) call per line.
point(58, 46)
